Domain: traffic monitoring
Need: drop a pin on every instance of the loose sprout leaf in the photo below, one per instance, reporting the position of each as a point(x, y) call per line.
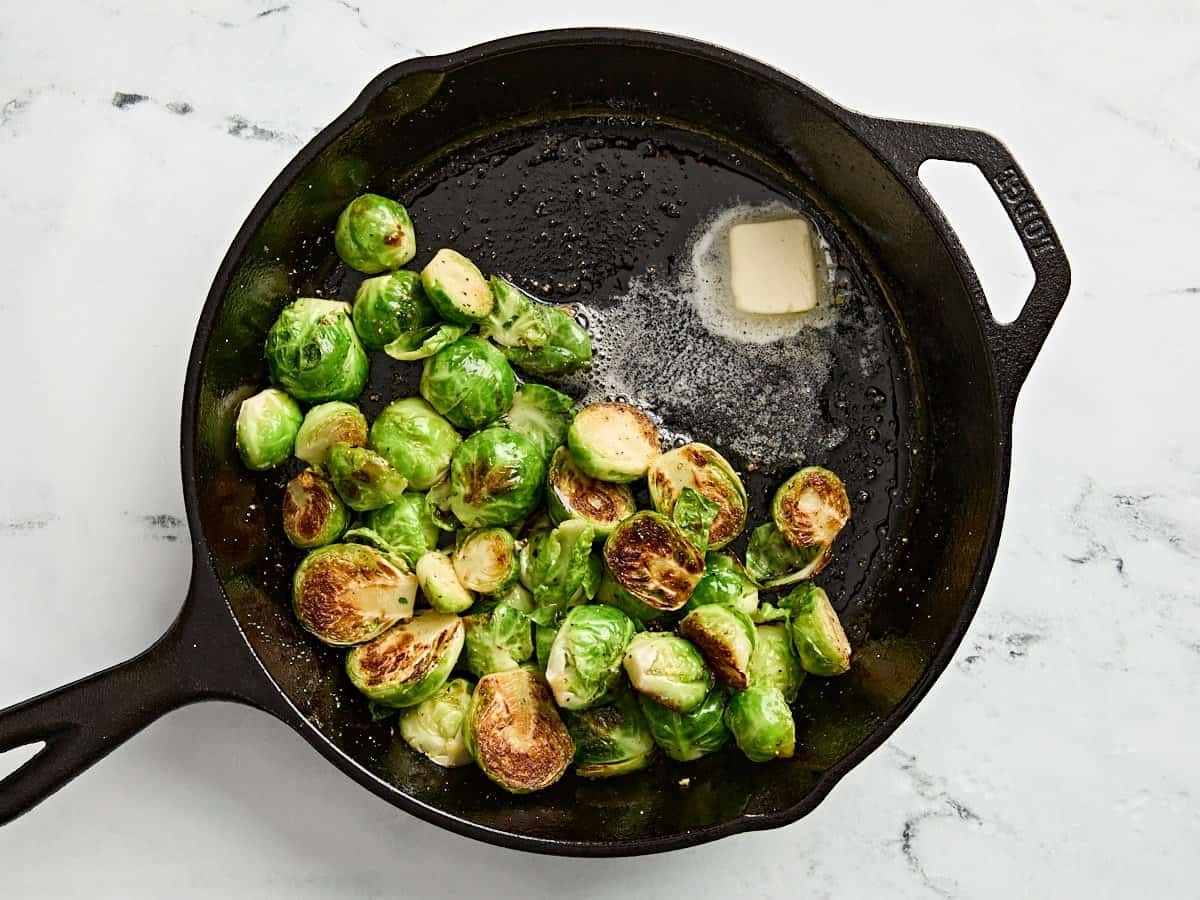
point(569, 348)
point(727, 582)
point(773, 562)
point(542, 414)
point(560, 563)
point(423, 342)
point(515, 320)
point(405, 526)
point(695, 515)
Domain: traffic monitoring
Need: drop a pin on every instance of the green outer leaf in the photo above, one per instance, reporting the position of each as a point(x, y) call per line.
point(584, 667)
point(569, 349)
point(695, 515)
point(560, 560)
point(773, 562)
point(542, 414)
point(424, 342)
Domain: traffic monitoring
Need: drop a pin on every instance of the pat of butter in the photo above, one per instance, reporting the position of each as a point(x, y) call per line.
point(773, 266)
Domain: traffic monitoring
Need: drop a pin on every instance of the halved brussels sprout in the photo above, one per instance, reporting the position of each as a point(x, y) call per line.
point(425, 342)
point(613, 442)
point(515, 319)
point(266, 429)
point(405, 526)
point(773, 663)
point(572, 495)
point(486, 560)
point(313, 513)
point(345, 594)
point(688, 736)
point(495, 478)
point(390, 307)
point(725, 637)
point(314, 353)
point(365, 479)
point(694, 514)
point(499, 638)
point(667, 669)
point(470, 382)
point(611, 740)
point(704, 470)
point(773, 562)
point(514, 733)
point(417, 441)
point(817, 632)
point(440, 584)
point(457, 288)
point(652, 559)
point(542, 414)
point(569, 349)
point(612, 594)
point(557, 564)
point(762, 724)
point(726, 582)
point(327, 424)
point(374, 234)
point(584, 667)
point(434, 727)
point(811, 507)
point(408, 663)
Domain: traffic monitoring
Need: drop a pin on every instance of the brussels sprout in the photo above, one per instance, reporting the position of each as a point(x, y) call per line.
point(725, 637)
point(327, 424)
point(704, 470)
point(390, 307)
point(653, 560)
point(469, 382)
point(434, 727)
point(557, 566)
point(374, 234)
point(314, 353)
point(773, 562)
point(405, 527)
point(817, 632)
point(613, 442)
point(611, 740)
point(667, 669)
point(365, 479)
point(514, 733)
point(569, 349)
point(313, 513)
point(517, 596)
point(349, 593)
point(811, 507)
point(762, 724)
point(266, 429)
point(694, 514)
point(542, 414)
point(498, 639)
point(688, 736)
point(612, 594)
point(726, 582)
point(496, 478)
point(515, 319)
point(486, 560)
point(440, 584)
point(773, 663)
point(543, 640)
point(572, 495)
point(584, 666)
point(425, 342)
point(408, 663)
point(418, 442)
point(437, 506)
point(457, 288)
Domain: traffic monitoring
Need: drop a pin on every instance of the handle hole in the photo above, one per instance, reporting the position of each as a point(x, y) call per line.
point(11, 760)
point(986, 233)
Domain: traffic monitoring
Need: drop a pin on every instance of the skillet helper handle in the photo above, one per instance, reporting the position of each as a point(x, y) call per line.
point(1016, 344)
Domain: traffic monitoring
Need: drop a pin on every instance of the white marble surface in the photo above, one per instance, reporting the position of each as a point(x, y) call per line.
point(1055, 758)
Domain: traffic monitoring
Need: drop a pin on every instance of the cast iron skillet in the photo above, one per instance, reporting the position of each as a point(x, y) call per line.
point(574, 159)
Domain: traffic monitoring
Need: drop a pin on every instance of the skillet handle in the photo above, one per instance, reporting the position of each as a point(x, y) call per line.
point(1014, 345)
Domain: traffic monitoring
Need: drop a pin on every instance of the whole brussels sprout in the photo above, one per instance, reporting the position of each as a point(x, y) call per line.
point(558, 564)
point(514, 733)
point(612, 594)
point(499, 638)
point(313, 513)
point(694, 515)
point(572, 495)
point(327, 424)
point(569, 349)
point(688, 736)
point(418, 442)
point(584, 666)
point(495, 478)
point(486, 560)
point(762, 724)
point(773, 562)
point(440, 584)
point(425, 342)
point(811, 508)
point(725, 637)
point(817, 632)
point(726, 582)
point(365, 479)
point(345, 594)
point(434, 727)
point(374, 234)
point(457, 288)
point(651, 558)
point(773, 663)
point(390, 307)
point(704, 470)
point(405, 526)
point(314, 353)
point(515, 319)
point(266, 429)
point(667, 669)
point(542, 414)
point(613, 442)
point(408, 663)
point(611, 740)
point(469, 382)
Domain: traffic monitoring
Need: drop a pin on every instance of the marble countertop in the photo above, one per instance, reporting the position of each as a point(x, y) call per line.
point(1056, 757)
